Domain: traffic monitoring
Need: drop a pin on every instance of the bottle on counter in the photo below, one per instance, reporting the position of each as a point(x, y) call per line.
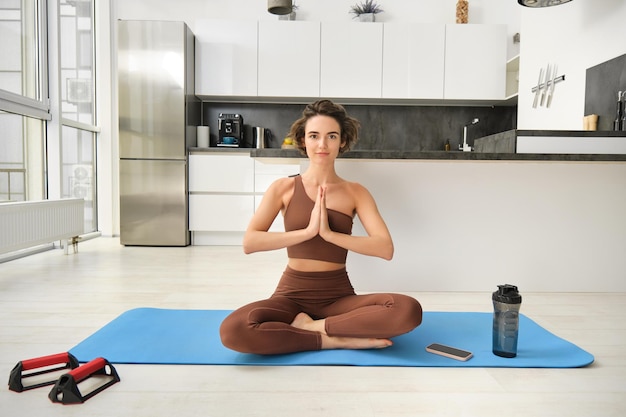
point(446, 147)
point(619, 114)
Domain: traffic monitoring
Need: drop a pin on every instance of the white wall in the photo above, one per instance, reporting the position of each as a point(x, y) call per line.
point(439, 11)
point(575, 36)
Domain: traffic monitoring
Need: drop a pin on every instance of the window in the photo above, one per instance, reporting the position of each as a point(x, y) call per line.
point(21, 146)
point(78, 134)
point(29, 145)
point(77, 76)
point(20, 67)
point(77, 170)
point(23, 104)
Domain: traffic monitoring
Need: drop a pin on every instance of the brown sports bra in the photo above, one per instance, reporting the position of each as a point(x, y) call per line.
point(297, 216)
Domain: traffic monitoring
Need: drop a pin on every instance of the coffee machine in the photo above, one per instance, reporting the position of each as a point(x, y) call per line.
point(231, 131)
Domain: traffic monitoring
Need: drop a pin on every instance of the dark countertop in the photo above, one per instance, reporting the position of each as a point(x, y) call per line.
point(443, 155)
point(574, 133)
point(214, 149)
point(450, 155)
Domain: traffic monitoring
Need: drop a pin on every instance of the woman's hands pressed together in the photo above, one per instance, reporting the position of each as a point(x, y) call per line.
point(319, 216)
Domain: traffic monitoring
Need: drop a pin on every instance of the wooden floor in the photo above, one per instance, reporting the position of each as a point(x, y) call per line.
point(49, 302)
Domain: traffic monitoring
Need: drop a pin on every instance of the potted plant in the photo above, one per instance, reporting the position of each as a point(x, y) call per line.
point(366, 10)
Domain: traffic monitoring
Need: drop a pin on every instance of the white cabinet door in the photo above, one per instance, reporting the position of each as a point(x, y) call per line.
point(221, 172)
point(221, 187)
point(351, 60)
point(265, 173)
point(289, 59)
point(475, 62)
point(220, 213)
point(226, 57)
point(413, 60)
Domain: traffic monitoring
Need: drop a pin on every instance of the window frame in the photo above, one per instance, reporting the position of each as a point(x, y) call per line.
point(26, 106)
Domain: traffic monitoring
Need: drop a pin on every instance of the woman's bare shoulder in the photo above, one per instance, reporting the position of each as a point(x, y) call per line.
point(359, 194)
point(355, 188)
point(282, 185)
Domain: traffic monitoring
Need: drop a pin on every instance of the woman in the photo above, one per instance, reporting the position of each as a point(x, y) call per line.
point(314, 305)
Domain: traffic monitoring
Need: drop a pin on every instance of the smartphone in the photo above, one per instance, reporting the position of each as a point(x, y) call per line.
point(449, 352)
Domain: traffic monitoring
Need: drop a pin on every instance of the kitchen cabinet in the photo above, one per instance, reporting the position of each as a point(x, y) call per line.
point(265, 173)
point(221, 195)
point(225, 188)
point(475, 62)
point(351, 60)
point(305, 59)
point(289, 59)
point(220, 213)
point(226, 57)
point(413, 61)
point(221, 172)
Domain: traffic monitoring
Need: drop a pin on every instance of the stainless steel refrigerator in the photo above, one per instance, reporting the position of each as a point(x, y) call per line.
point(158, 115)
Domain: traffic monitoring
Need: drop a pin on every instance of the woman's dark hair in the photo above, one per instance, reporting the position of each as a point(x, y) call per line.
point(349, 125)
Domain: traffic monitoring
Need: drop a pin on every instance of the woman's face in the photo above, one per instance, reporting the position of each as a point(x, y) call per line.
point(322, 138)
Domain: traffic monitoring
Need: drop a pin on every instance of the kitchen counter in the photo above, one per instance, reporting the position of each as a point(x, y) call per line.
point(487, 149)
point(214, 149)
point(483, 153)
point(443, 155)
point(574, 133)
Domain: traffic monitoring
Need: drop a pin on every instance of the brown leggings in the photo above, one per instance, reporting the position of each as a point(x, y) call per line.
point(263, 327)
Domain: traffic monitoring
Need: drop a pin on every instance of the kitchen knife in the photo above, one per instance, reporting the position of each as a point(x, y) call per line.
point(544, 89)
point(551, 90)
point(537, 91)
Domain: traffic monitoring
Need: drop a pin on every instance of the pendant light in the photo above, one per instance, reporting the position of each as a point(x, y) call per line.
point(542, 3)
point(279, 7)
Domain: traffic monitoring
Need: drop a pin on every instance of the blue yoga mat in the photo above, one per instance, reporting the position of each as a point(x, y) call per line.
point(159, 336)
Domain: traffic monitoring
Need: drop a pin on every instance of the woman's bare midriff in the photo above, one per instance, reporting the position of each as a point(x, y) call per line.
point(312, 265)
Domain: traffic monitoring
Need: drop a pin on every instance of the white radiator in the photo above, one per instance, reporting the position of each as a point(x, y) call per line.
point(30, 223)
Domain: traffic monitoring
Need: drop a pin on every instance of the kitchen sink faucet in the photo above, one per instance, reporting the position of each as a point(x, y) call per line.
point(465, 147)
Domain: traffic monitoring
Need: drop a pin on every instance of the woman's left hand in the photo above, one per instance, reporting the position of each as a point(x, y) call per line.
point(324, 226)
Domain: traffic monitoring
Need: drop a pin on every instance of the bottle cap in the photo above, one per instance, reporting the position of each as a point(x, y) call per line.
point(507, 294)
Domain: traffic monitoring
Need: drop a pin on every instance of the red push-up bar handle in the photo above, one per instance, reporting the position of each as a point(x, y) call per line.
point(87, 369)
point(34, 363)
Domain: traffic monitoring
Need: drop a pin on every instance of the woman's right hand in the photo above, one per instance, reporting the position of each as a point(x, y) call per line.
point(313, 228)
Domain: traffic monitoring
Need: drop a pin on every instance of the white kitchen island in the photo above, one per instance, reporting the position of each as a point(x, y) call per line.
point(470, 224)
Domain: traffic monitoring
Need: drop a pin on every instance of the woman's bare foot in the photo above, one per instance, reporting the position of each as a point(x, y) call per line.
point(330, 342)
point(305, 322)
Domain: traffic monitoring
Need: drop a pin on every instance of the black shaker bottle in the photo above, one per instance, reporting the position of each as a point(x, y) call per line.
point(506, 304)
